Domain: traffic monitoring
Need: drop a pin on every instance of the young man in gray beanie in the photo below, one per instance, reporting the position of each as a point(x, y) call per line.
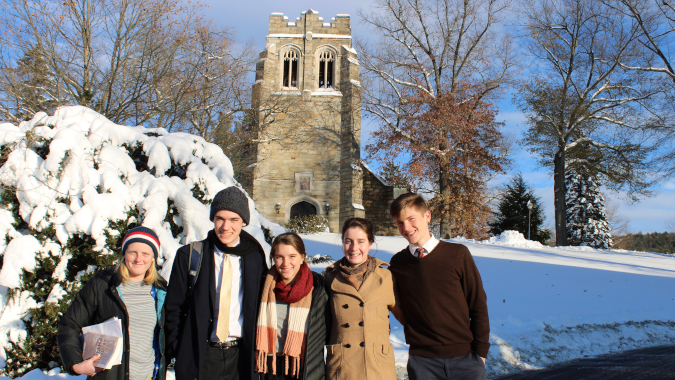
point(211, 331)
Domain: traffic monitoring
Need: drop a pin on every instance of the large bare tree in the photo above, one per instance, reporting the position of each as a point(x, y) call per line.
point(153, 62)
point(583, 107)
point(433, 48)
point(656, 22)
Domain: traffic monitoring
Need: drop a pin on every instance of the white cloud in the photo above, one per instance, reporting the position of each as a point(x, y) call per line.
point(650, 214)
point(511, 118)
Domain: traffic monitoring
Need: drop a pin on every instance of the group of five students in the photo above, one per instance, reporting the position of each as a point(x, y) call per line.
point(236, 319)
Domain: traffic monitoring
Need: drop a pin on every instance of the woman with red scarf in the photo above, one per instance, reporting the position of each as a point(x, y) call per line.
point(291, 331)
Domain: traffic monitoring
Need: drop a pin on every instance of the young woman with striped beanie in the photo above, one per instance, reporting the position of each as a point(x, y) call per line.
point(291, 331)
point(132, 291)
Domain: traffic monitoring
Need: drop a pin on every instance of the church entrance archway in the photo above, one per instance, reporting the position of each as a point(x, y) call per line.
point(302, 209)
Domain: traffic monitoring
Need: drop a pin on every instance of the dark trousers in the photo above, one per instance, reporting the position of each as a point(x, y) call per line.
point(468, 367)
point(221, 364)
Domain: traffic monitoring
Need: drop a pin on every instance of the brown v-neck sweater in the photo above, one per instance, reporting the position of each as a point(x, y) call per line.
point(443, 302)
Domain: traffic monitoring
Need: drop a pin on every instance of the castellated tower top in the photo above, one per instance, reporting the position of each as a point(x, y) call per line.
point(309, 21)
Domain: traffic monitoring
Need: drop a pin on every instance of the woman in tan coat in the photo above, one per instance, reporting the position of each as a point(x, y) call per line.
point(361, 295)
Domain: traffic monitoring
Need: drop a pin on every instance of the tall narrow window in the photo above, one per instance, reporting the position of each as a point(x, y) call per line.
point(290, 77)
point(326, 67)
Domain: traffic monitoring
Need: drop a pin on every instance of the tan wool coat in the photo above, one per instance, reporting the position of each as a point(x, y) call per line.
point(359, 346)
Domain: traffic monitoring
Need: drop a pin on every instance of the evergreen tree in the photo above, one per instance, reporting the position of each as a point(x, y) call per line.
point(392, 173)
point(36, 86)
point(586, 218)
point(512, 212)
point(51, 252)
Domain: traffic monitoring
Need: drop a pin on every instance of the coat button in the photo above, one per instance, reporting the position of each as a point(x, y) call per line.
point(210, 320)
point(348, 345)
point(361, 324)
point(362, 304)
point(345, 306)
point(363, 344)
point(346, 325)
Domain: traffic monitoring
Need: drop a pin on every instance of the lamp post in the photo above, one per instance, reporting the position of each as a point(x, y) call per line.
point(529, 211)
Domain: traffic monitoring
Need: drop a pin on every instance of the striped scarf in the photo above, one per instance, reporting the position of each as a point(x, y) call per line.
point(266, 331)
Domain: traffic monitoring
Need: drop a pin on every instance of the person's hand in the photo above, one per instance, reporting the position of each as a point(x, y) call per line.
point(87, 367)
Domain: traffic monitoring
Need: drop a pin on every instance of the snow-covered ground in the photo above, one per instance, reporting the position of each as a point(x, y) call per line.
point(548, 305)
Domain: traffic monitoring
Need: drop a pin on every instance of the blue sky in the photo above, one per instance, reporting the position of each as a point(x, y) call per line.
point(250, 21)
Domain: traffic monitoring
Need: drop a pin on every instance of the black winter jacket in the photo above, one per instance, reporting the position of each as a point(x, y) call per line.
point(317, 331)
point(189, 322)
point(98, 301)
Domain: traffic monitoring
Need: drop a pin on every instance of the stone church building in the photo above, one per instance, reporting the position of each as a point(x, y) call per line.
point(307, 97)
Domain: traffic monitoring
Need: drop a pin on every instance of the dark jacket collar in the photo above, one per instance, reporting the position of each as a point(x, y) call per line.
point(247, 244)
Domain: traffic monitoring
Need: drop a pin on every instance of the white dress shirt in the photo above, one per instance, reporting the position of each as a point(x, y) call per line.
point(428, 246)
point(236, 316)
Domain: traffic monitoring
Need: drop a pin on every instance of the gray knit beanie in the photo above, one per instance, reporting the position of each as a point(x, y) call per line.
point(231, 199)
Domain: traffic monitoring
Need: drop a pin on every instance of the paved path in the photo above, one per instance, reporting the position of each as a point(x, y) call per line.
point(655, 363)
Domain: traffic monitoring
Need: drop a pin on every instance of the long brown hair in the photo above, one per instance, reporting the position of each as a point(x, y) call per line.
point(361, 223)
point(289, 238)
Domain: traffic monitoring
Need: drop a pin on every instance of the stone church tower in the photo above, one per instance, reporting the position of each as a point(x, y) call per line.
point(307, 101)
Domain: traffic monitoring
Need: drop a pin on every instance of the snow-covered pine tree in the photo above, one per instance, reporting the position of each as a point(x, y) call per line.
point(512, 212)
point(586, 218)
point(71, 185)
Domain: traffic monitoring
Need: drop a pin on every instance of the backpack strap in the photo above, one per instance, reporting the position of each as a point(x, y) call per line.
point(196, 250)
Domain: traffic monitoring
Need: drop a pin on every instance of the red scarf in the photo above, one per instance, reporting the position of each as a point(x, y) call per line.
point(294, 293)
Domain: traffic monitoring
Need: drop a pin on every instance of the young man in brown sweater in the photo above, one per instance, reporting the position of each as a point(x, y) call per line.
point(441, 297)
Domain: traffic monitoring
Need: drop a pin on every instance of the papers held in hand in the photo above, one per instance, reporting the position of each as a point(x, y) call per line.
point(109, 347)
point(105, 339)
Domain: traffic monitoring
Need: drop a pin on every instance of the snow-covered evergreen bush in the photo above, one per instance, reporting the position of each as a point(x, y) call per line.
point(72, 184)
point(321, 259)
point(308, 224)
point(586, 218)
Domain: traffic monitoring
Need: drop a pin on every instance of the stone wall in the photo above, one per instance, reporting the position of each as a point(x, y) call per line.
point(308, 137)
point(377, 197)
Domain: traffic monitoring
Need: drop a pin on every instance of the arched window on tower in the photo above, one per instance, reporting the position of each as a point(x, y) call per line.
point(290, 75)
point(326, 69)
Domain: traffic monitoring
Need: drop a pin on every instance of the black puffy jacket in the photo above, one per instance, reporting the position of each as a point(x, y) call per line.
point(98, 301)
point(317, 331)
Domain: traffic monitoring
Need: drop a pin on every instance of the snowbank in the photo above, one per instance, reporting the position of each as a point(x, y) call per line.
point(74, 173)
point(548, 305)
point(506, 239)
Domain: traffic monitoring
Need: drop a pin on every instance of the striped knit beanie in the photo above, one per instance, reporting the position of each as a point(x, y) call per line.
point(142, 235)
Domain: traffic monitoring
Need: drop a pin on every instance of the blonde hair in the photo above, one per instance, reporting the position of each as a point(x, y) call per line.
point(408, 200)
point(151, 276)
